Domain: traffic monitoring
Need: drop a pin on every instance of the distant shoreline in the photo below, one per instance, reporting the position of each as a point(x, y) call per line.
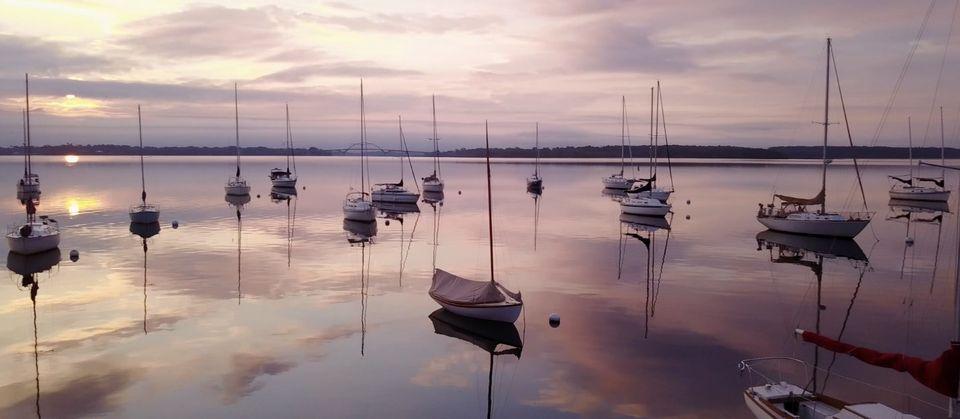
point(640, 153)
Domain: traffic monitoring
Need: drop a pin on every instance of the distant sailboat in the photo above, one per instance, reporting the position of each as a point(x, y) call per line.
point(906, 189)
point(286, 178)
point(397, 192)
point(434, 183)
point(793, 217)
point(616, 180)
point(357, 205)
point(649, 189)
point(144, 213)
point(534, 182)
point(237, 185)
point(28, 187)
point(487, 300)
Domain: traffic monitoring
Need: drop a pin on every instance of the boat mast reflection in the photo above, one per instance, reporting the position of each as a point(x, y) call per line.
point(645, 229)
point(237, 202)
point(485, 334)
point(360, 234)
point(145, 231)
point(28, 267)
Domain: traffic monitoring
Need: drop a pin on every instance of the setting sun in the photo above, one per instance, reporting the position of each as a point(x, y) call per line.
point(71, 159)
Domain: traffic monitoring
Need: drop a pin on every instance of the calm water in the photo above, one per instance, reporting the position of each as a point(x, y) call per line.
point(301, 323)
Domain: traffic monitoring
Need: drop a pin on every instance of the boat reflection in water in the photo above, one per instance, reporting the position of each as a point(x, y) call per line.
point(400, 212)
point(495, 338)
point(360, 234)
point(615, 195)
point(644, 229)
point(237, 202)
point(145, 231)
point(28, 267)
point(287, 195)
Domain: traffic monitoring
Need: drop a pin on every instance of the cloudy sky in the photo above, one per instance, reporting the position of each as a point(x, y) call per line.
point(733, 71)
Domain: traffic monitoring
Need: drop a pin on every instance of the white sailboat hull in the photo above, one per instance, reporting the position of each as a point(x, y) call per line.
point(433, 186)
point(498, 313)
point(359, 210)
point(32, 245)
point(144, 215)
point(658, 194)
point(920, 194)
point(396, 197)
point(617, 182)
point(757, 408)
point(285, 183)
point(816, 225)
point(28, 188)
point(237, 190)
point(644, 206)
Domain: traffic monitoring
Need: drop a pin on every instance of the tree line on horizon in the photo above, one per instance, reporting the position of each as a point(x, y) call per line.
point(639, 152)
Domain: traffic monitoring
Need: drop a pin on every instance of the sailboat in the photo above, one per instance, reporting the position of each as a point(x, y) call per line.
point(650, 189)
point(487, 300)
point(144, 213)
point(356, 205)
point(905, 188)
point(484, 334)
point(616, 180)
point(534, 182)
point(28, 187)
point(237, 185)
point(28, 267)
point(793, 217)
point(286, 178)
point(776, 400)
point(396, 192)
point(37, 234)
point(433, 183)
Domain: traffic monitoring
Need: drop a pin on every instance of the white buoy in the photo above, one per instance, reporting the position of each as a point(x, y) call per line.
point(175, 224)
point(554, 320)
point(74, 255)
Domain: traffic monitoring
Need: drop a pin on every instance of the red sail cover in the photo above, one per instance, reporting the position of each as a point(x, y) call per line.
point(940, 374)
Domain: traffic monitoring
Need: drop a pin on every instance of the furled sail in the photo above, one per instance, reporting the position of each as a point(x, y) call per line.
point(902, 180)
point(940, 374)
point(452, 288)
point(935, 181)
point(817, 200)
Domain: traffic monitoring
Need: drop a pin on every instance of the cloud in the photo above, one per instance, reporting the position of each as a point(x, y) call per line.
point(609, 45)
point(207, 31)
point(301, 73)
point(22, 54)
point(405, 23)
point(95, 393)
point(245, 369)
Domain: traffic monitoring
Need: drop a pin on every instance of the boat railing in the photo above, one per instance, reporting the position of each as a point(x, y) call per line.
point(750, 367)
point(236, 180)
point(144, 208)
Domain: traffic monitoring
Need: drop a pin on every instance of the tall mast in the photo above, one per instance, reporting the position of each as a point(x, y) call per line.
point(650, 147)
point(536, 168)
point(400, 127)
point(26, 82)
point(289, 140)
point(23, 115)
point(436, 146)
point(943, 160)
point(363, 135)
point(623, 127)
point(236, 122)
point(910, 143)
point(656, 134)
point(486, 131)
point(826, 127)
point(143, 178)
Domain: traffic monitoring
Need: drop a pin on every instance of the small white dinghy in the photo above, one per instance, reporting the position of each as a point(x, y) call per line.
point(143, 213)
point(237, 185)
point(286, 178)
point(644, 206)
point(487, 300)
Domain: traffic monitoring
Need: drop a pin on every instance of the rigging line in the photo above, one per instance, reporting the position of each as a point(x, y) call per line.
point(846, 122)
point(903, 72)
point(403, 140)
point(943, 62)
point(663, 259)
point(666, 143)
point(843, 326)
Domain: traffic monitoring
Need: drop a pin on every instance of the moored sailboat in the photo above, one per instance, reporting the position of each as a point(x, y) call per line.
point(617, 180)
point(286, 178)
point(143, 213)
point(434, 183)
point(28, 187)
point(237, 185)
point(357, 205)
point(906, 189)
point(792, 216)
point(535, 182)
point(649, 188)
point(397, 192)
point(487, 300)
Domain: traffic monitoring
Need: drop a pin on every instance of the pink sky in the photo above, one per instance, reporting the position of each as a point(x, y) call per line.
point(734, 71)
